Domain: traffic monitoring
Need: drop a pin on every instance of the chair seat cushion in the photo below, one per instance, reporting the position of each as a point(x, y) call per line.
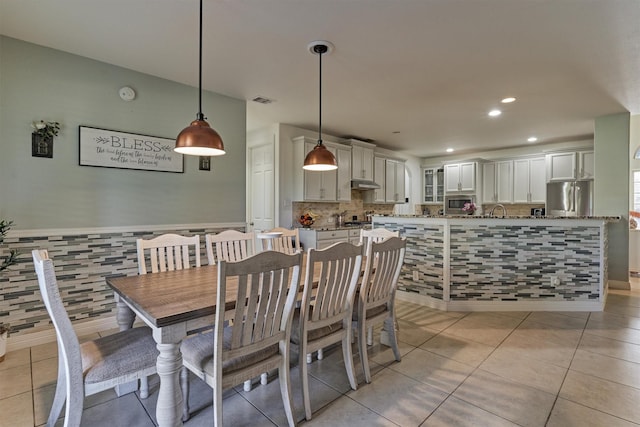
point(120, 354)
point(313, 334)
point(372, 312)
point(198, 352)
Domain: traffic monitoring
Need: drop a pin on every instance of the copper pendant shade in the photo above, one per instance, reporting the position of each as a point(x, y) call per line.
point(199, 139)
point(320, 159)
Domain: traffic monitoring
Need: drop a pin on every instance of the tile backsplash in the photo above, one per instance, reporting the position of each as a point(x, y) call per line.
point(325, 212)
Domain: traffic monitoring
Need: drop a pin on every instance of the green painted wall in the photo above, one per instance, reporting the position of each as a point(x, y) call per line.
point(38, 83)
point(611, 187)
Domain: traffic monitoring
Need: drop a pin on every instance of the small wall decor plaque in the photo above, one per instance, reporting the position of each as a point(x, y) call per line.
point(205, 163)
point(113, 149)
point(42, 138)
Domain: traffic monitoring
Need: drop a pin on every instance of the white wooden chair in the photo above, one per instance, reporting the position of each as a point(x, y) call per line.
point(375, 235)
point(288, 243)
point(168, 252)
point(230, 246)
point(93, 366)
point(375, 302)
point(324, 317)
point(258, 339)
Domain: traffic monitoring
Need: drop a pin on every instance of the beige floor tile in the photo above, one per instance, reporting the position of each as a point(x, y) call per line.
point(346, 412)
point(605, 396)
point(15, 381)
point(427, 318)
point(524, 370)
point(457, 348)
point(383, 355)
point(413, 334)
point(558, 320)
point(45, 372)
point(440, 372)
point(523, 344)
point(17, 410)
point(16, 358)
point(541, 331)
point(617, 333)
point(609, 347)
point(606, 367)
point(484, 327)
point(44, 351)
point(566, 413)
point(606, 320)
point(458, 413)
point(515, 402)
point(398, 398)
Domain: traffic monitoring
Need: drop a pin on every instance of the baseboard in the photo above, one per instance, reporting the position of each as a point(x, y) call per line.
point(499, 305)
point(44, 337)
point(619, 284)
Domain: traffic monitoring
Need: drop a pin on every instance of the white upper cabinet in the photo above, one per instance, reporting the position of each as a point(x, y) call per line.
point(570, 165)
point(394, 181)
point(379, 177)
point(433, 185)
point(317, 186)
point(361, 160)
point(343, 157)
point(529, 184)
point(460, 177)
point(586, 165)
point(497, 182)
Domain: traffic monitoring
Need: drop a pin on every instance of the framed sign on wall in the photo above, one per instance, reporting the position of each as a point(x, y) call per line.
point(113, 149)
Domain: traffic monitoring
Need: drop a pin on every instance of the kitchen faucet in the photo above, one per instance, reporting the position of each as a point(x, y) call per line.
point(504, 210)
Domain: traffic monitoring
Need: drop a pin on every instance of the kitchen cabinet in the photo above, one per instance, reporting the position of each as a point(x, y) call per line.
point(497, 182)
point(362, 160)
point(460, 177)
point(529, 184)
point(394, 181)
point(327, 186)
point(320, 239)
point(433, 185)
point(379, 176)
point(561, 166)
point(586, 165)
point(343, 178)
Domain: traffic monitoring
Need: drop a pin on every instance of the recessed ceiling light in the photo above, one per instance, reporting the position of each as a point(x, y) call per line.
point(508, 100)
point(532, 139)
point(495, 113)
point(449, 150)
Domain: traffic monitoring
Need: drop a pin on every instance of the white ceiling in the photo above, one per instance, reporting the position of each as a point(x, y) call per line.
point(430, 69)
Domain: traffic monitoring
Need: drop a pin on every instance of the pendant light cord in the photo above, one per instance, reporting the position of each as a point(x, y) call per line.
point(200, 115)
point(320, 52)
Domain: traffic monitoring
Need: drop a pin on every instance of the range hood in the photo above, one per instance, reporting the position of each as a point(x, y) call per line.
point(363, 184)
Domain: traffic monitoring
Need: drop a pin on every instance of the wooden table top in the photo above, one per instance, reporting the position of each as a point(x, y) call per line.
point(173, 296)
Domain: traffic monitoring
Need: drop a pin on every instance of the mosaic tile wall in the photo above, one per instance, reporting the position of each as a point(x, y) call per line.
point(503, 263)
point(424, 255)
point(512, 263)
point(82, 262)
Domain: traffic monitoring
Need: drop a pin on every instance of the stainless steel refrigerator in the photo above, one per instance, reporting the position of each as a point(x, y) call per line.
point(570, 198)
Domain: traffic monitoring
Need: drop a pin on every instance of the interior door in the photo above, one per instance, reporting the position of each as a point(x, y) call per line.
point(262, 187)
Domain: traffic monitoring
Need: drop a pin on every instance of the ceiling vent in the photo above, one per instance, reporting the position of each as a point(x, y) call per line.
point(262, 100)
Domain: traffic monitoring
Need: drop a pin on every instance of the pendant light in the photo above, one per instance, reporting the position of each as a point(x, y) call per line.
point(199, 139)
point(320, 159)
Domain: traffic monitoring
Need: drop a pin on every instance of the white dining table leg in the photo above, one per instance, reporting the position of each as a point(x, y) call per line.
point(125, 318)
point(169, 364)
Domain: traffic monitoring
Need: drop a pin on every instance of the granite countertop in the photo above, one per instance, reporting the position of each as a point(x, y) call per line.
point(334, 228)
point(541, 218)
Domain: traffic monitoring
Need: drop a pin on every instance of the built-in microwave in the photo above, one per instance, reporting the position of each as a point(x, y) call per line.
point(453, 204)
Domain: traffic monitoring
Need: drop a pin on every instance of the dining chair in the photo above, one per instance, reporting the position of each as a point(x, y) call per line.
point(288, 243)
point(375, 235)
point(325, 313)
point(376, 299)
point(258, 338)
point(230, 246)
point(168, 252)
point(93, 366)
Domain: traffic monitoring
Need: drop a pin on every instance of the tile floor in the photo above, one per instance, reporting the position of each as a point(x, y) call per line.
point(458, 369)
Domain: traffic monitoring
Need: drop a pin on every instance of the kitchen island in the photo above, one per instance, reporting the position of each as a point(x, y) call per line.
point(472, 263)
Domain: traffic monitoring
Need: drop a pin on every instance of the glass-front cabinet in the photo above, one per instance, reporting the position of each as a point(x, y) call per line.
point(433, 185)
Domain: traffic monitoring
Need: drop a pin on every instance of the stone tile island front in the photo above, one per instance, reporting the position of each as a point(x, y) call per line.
point(471, 263)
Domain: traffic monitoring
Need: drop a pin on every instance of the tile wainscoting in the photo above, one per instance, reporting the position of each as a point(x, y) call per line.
point(82, 258)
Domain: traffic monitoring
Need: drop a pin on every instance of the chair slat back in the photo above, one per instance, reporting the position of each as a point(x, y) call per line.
point(288, 243)
point(337, 281)
point(268, 285)
point(168, 252)
point(382, 270)
point(376, 235)
point(230, 246)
